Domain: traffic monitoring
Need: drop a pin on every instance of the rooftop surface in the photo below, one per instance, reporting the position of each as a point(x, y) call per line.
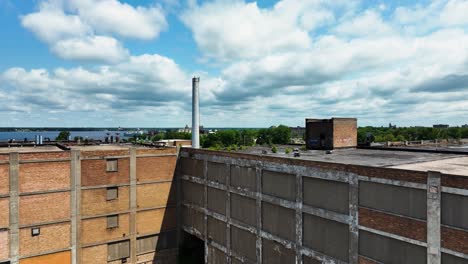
point(421, 161)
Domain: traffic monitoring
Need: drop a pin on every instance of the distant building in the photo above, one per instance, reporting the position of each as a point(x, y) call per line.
point(331, 133)
point(298, 132)
point(465, 126)
point(186, 129)
point(440, 126)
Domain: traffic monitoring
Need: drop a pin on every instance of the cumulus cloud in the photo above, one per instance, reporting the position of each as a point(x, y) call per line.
point(87, 30)
point(112, 16)
point(97, 48)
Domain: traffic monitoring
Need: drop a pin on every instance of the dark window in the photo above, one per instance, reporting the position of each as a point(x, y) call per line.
point(112, 165)
point(35, 231)
point(118, 250)
point(112, 221)
point(112, 193)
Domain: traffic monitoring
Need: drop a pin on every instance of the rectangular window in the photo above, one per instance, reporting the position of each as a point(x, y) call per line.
point(112, 193)
point(118, 250)
point(35, 231)
point(112, 221)
point(112, 165)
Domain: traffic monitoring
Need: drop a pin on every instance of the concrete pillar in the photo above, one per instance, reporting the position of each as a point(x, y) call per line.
point(354, 215)
point(433, 217)
point(258, 176)
point(195, 113)
point(299, 196)
point(133, 206)
point(205, 207)
point(228, 215)
point(14, 208)
point(75, 205)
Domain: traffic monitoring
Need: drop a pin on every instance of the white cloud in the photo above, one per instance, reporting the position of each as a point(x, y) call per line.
point(51, 24)
point(228, 30)
point(97, 48)
point(84, 30)
point(112, 16)
point(368, 24)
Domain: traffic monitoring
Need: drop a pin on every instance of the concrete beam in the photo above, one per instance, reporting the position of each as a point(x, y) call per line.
point(133, 206)
point(258, 201)
point(75, 204)
point(433, 217)
point(228, 214)
point(14, 208)
point(354, 218)
point(299, 227)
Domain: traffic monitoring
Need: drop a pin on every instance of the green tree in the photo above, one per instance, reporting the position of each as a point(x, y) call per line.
point(63, 135)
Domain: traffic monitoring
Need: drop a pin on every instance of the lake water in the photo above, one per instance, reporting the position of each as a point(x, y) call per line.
point(20, 136)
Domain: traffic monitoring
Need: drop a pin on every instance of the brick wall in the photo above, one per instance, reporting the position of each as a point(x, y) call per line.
point(4, 212)
point(94, 201)
point(4, 179)
point(155, 168)
point(93, 172)
point(95, 230)
point(155, 195)
point(344, 133)
point(44, 208)
point(155, 221)
point(94, 255)
point(4, 247)
point(52, 237)
point(48, 176)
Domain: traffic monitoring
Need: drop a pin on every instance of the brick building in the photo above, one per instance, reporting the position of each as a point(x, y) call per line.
point(331, 133)
point(97, 204)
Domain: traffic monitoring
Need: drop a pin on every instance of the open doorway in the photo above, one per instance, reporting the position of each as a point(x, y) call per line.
point(192, 250)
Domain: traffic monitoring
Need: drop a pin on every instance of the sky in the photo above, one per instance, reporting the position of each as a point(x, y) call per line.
point(110, 63)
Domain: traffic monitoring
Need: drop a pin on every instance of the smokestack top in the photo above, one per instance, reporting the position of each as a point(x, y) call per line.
point(195, 113)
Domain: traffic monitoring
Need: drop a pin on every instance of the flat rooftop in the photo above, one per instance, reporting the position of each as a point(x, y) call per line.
point(52, 148)
point(456, 164)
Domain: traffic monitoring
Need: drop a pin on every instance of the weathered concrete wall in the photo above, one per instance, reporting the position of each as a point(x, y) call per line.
point(260, 209)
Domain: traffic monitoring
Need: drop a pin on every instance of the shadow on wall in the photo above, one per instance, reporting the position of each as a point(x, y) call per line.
point(165, 244)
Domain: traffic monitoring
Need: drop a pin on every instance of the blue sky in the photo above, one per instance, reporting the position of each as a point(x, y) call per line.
point(130, 63)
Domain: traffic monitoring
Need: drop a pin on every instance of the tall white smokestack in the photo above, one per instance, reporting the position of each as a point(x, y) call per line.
point(195, 113)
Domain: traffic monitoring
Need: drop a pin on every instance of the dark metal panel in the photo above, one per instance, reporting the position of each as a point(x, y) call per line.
point(389, 250)
point(279, 184)
point(217, 200)
point(217, 172)
point(450, 259)
point(243, 243)
point(275, 253)
point(217, 230)
point(244, 209)
point(330, 195)
point(192, 193)
point(243, 177)
point(328, 237)
point(455, 210)
point(279, 221)
point(394, 199)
